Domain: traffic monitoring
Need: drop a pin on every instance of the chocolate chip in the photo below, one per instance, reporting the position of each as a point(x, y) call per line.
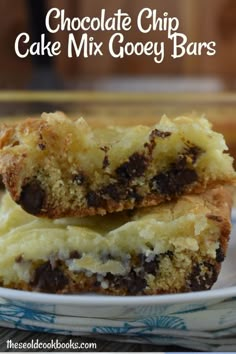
point(186, 177)
point(94, 199)
point(75, 255)
point(203, 276)
point(211, 275)
point(152, 139)
point(169, 254)
point(134, 167)
point(113, 191)
point(173, 181)
point(152, 266)
point(32, 197)
point(132, 283)
point(79, 178)
point(159, 134)
point(195, 281)
point(48, 279)
point(220, 255)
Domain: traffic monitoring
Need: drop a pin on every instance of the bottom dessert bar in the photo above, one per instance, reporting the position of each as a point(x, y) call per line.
point(174, 247)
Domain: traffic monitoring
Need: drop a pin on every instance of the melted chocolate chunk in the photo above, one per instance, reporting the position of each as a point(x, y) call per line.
point(211, 277)
point(180, 174)
point(114, 191)
point(94, 199)
point(220, 255)
point(169, 254)
point(32, 197)
point(152, 139)
point(134, 167)
point(200, 280)
point(49, 279)
point(174, 181)
point(151, 267)
point(134, 283)
point(195, 281)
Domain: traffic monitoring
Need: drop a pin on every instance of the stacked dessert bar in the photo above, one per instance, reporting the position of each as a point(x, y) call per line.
point(116, 210)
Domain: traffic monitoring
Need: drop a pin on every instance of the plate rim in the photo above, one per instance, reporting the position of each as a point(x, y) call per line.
point(108, 300)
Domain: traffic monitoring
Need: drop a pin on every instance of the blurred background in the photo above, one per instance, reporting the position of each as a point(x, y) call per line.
point(201, 21)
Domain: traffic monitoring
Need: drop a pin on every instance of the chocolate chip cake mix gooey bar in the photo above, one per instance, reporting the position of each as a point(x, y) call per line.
point(116, 210)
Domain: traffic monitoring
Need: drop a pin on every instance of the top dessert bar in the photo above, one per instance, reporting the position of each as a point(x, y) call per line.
point(54, 166)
